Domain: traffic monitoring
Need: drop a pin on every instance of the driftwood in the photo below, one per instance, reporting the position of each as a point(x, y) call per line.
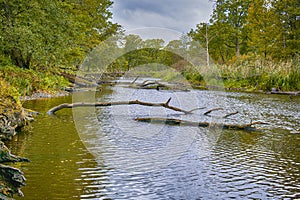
point(102, 104)
point(133, 102)
point(286, 93)
point(214, 109)
point(148, 84)
point(230, 114)
point(171, 121)
point(154, 84)
point(77, 80)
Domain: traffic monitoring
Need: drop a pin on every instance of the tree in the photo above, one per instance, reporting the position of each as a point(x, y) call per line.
point(203, 35)
point(132, 43)
point(230, 16)
point(287, 13)
point(52, 32)
point(262, 30)
point(212, 38)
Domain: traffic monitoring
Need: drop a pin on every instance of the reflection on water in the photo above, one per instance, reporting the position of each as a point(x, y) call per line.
point(239, 165)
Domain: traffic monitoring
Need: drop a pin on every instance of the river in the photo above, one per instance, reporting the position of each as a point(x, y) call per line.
point(103, 153)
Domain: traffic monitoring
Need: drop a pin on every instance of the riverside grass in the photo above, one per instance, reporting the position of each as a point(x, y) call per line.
point(25, 82)
point(262, 75)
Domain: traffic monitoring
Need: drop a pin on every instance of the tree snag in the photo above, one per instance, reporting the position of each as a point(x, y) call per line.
point(102, 104)
point(171, 121)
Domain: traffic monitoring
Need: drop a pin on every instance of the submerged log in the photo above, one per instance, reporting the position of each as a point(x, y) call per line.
point(171, 121)
point(285, 93)
point(102, 104)
point(154, 84)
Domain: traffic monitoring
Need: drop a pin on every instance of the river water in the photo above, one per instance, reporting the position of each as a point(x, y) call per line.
point(102, 153)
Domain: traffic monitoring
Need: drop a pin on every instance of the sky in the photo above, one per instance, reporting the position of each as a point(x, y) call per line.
point(177, 16)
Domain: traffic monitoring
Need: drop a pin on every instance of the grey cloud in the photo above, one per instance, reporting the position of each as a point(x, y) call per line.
point(180, 15)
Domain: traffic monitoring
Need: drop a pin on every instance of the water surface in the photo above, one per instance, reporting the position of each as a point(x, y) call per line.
point(176, 162)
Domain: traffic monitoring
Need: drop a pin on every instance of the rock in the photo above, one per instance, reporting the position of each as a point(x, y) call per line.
point(6, 156)
point(11, 179)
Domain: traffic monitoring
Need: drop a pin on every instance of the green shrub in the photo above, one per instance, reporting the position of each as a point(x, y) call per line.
point(28, 81)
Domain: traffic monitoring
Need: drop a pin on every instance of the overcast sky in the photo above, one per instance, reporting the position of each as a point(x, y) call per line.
point(177, 15)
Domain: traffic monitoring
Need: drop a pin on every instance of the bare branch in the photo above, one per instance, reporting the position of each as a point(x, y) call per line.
point(230, 114)
point(214, 109)
point(102, 104)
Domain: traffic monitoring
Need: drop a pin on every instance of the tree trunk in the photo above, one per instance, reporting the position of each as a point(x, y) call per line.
point(179, 122)
point(102, 104)
point(18, 59)
point(237, 47)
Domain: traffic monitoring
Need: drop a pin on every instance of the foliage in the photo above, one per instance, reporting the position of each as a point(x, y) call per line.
point(255, 41)
point(9, 96)
point(51, 33)
point(25, 82)
point(39, 39)
point(261, 75)
point(269, 29)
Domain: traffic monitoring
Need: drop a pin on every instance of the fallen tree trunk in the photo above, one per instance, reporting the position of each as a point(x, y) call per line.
point(102, 104)
point(171, 121)
point(286, 93)
point(154, 84)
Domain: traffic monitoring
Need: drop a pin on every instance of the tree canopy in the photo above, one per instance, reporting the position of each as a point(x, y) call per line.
point(47, 33)
point(268, 29)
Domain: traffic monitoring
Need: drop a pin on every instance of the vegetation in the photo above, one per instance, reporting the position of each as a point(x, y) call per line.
point(246, 39)
point(38, 39)
point(266, 29)
point(255, 43)
point(25, 82)
point(258, 75)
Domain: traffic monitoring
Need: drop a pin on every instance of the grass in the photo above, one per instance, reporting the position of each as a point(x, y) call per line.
point(26, 82)
point(284, 76)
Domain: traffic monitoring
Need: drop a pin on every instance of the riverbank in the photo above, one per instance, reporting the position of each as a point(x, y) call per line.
point(12, 118)
point(16, 86)
point(258, 75)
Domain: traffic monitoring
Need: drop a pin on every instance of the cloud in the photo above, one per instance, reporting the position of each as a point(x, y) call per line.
point(179, 15)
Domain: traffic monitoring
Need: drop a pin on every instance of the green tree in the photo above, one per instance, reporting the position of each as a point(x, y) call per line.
point(132, 43)
point(212, 38)
point(262, 30)
point(230, 17)
point(287, 13)
point(51, 32)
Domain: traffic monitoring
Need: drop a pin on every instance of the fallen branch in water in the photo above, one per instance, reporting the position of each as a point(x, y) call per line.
point(286, 93)
point(171, 121)
point(102, 104)
point(230, 114)
point(214, 109)
point(154, 84)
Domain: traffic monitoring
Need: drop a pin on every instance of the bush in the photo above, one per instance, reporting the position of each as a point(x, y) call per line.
point(28, 81)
